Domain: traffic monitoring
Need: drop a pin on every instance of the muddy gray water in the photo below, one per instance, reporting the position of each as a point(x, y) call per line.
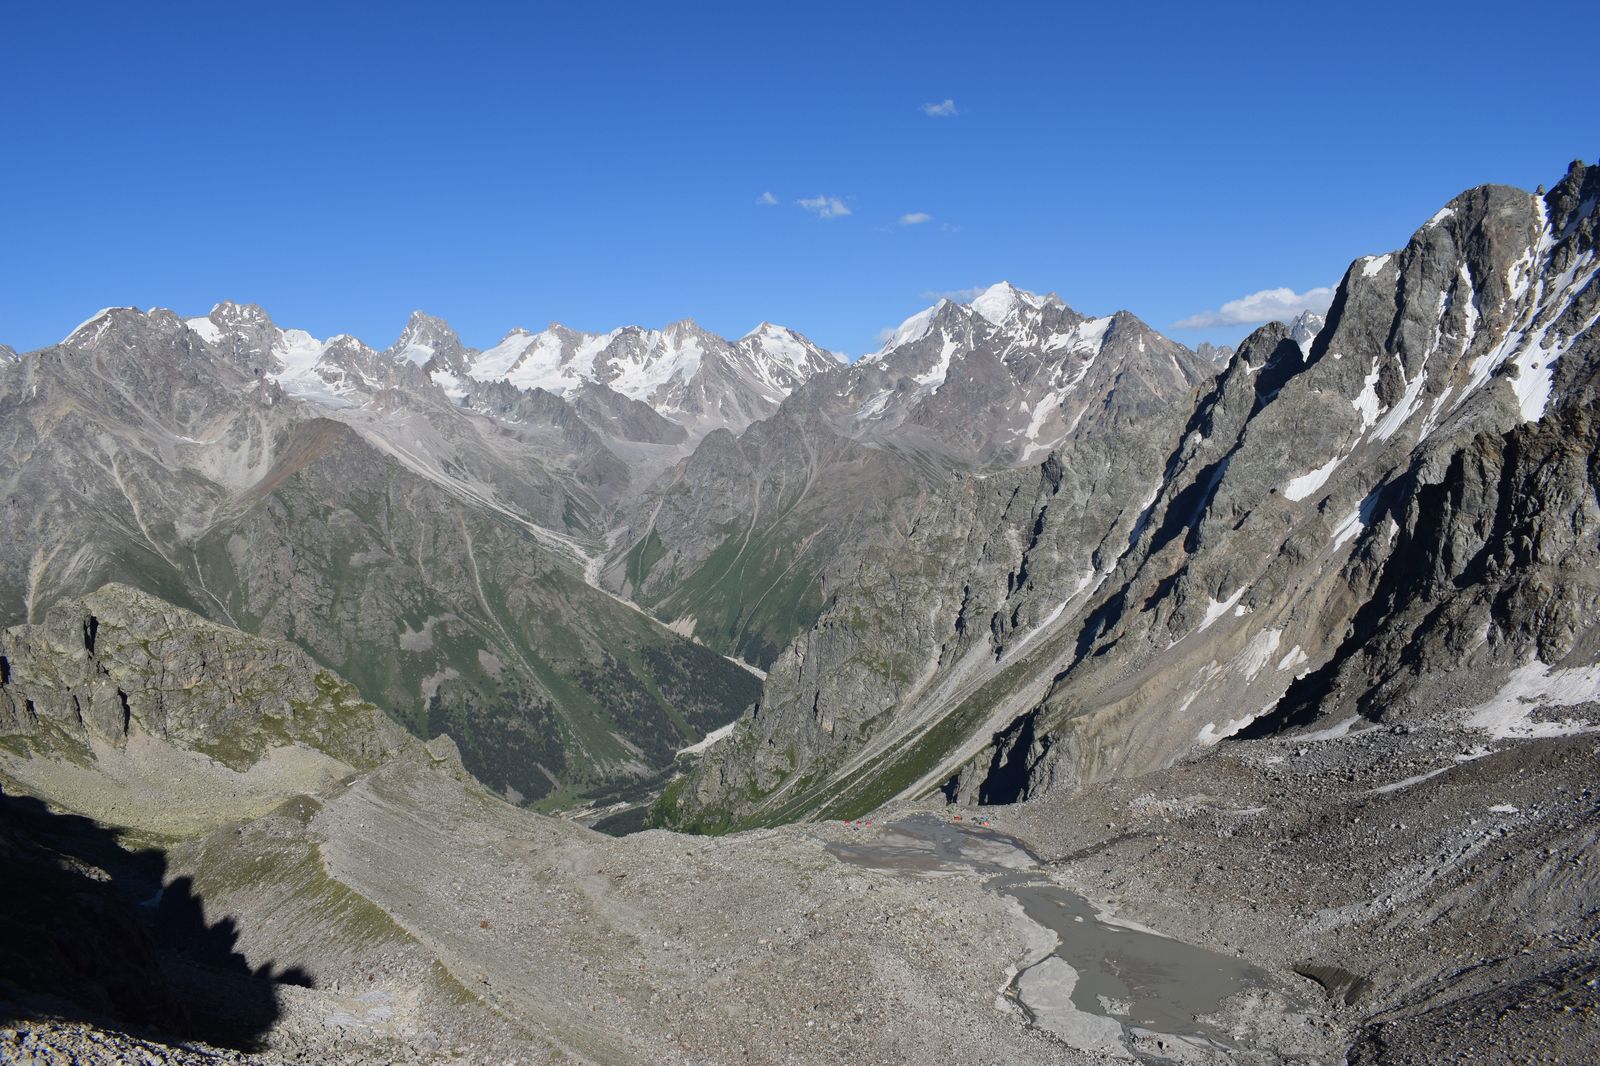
point(1105, 980)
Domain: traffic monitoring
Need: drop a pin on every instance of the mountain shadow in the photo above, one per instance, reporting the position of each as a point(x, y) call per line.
point(88, 933)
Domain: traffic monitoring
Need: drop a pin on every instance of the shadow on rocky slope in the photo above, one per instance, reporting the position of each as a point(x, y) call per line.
point(87, 932)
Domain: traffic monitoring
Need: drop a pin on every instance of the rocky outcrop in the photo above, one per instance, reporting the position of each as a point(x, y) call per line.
point(119, 662)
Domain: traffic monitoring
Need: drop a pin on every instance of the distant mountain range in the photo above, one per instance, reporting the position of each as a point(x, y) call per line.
point(978, 537)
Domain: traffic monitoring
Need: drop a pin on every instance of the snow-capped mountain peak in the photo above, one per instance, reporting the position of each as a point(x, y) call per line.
point(910, 331)
point(1013, 372)
point(1304, 329)
point(694, 378)
point(231, 315)
point(1002, 305)
point(682, 370)
point(790, 349)
point(1001, 300)
point(426, 339)
point(95, 320)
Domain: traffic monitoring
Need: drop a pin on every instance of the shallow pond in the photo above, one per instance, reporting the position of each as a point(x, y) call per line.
point(1105, 979)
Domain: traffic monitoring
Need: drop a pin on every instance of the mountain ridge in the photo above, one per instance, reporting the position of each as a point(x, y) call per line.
point(1470, 329)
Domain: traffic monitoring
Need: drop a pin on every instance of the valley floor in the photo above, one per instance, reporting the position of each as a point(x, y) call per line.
point(1411, 897)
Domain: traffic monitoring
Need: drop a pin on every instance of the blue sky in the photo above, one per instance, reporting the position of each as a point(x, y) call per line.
point(521, 164)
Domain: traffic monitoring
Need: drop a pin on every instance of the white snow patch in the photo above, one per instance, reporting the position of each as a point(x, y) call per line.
point(1348, 528)
point(450, 384)
point(1296, 657)
point(719, 734)
point(1409, 404)
point(1304, 485)
point(1396, 786)
point(298, 351)
point(1091, 333)
point(1083, 582)
point(941, 368)
point(875, 406)
point(1372, 266)
point(1507, 715)
point(1216, 609)
point(1535, 376)
point(782, 346)
point(1259, 652)
point(1470, 308)
point(1504, 808)
point(1431, 423)
point(1438, 217)
point(1519, 275)
point(999, 301)
point(1366, 404)
point(1210, 734)
point(299, 356)
point(659, 358)
point(1040, 628)
point(1527, 345)
point(1041, 411)
point(415, 353)
point(638, 364)
point(495, 363)
point(1049, 404)
point(207, 329)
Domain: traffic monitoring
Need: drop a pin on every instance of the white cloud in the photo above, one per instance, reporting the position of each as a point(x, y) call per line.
point(944, 109)
point(1263, 306)
point(825, 206)
point(766, 198)
point(960, 296)
point(915, 218)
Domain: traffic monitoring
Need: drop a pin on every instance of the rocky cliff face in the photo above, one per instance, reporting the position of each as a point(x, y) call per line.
point(1327, 511)
point(118, 663)
point(1480, 329)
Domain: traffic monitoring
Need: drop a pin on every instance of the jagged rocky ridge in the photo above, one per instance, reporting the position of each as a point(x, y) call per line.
point(1388, 522)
